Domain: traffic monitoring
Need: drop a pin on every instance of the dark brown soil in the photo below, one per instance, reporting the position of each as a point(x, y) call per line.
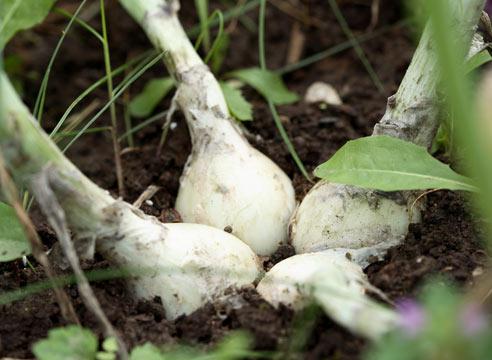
point(445, 243)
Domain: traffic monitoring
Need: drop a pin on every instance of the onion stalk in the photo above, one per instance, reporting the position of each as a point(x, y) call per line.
point(226, 183)
point(364, 222)
point(185, 265)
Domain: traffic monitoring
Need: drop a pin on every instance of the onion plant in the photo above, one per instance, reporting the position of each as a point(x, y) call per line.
point(366, 222)
point(337, 227)
point(226, 183)
point(183, 264)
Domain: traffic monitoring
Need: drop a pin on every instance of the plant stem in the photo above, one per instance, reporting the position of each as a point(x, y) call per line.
point(27, 150)
point(112, 109)
point(412, 113)
point(199, 95)
point(261, 35)
point(128, 118)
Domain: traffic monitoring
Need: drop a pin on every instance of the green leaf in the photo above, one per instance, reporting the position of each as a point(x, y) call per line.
point(146, 352)
point(154, 91)
point(235, 346)
point(13, 242)
point(477, 60)
point(102, 355)
point(237, 104)
point(16, 15)
point(268, 84)
point(110, 344)
point(67, 343)
point(390, 164)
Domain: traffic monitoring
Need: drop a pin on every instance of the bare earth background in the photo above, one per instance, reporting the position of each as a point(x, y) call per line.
point(445, 243)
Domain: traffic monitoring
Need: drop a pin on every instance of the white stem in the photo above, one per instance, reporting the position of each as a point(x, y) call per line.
point(412, 113)
point(28, 150)
point(198, 90)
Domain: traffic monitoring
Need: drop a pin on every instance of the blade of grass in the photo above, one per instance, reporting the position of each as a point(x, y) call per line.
point(127, 117)
point(228, 15)
point(148, 56)
point(143, 124)
point(112, 107)
point(80, 22)
point(60, 281)
point(335, 50)
point(201, 7)
point(95, 85)
point(360, 53)
point(273, 109)
point(88, 131)
point(152, 55)
point(40, 99)
point(120, 91)
point(39, 105)
point(216, 42)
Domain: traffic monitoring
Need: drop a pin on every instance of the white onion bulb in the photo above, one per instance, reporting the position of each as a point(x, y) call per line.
point(186, 265)
point(360, 222)
point(226, 182)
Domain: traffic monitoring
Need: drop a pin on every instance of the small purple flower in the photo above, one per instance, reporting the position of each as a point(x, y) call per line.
point(473, 319)
point(412, 316)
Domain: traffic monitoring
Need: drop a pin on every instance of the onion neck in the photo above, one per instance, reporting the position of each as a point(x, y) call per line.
point(199, 94)
point(412, 113)
point(29, 152)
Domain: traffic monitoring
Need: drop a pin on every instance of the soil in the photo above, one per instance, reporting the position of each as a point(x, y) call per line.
point(447, 241)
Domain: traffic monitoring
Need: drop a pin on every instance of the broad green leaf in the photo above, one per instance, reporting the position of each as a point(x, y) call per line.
point(154, 91)
point(16, 15)
point(13, 242)
point(237, 104)
point(267, 83)
point(390, 164)
point(67, 343)
point(477, 60)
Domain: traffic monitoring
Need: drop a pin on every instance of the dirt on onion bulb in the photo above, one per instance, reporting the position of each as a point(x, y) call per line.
point(185, 265)
point(226, 182)
point(366, 222)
